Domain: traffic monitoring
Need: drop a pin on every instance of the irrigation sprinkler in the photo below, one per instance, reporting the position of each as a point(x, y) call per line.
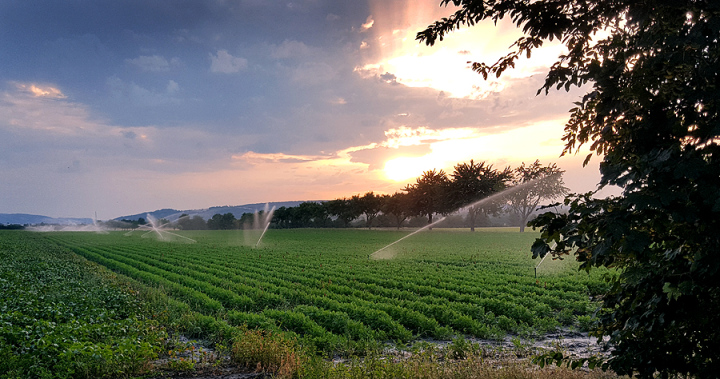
point(157, 228)
point(538, 265)
point(493, 197)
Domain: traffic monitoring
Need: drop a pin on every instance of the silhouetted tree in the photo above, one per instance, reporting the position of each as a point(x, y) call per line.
point(133, 224)
point(369, 204)
point(397, 205)
point(473, 182)
point(429, 195)
point(221, 222)
point(535, 183)
point(281, 217)
point(310, 214)
point(344, 209)
point(195, 222)
point(248, 220)
point(12, 226)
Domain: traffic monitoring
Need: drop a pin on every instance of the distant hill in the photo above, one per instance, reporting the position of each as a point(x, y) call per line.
point(28, 219)
point(237, 210)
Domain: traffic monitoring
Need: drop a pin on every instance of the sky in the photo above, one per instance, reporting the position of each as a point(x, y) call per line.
point(129, 106)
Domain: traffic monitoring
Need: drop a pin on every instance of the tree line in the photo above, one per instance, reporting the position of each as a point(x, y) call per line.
point(435, 193)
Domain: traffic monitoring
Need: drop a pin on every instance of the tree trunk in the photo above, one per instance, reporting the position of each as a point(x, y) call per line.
point(523, 222)
point(472, 215)
point(430, 221)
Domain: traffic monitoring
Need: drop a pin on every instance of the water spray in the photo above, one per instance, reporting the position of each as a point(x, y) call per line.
point(490, 198)
point(374, 255)
point(153, 224)
point(538, 265)
point(267, 217)
point(157, 228)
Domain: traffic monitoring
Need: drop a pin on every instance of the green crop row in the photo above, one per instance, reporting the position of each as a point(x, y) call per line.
point(59, 318)
point(329, 292)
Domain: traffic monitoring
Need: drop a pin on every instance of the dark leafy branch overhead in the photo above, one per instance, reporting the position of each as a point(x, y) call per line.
point(652, 112)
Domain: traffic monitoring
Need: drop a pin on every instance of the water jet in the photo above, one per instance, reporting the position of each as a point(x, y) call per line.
point(494, 197)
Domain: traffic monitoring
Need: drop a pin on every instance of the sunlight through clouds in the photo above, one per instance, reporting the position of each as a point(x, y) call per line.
point(405, 136)
point(538, 141)
point(446, 66)
point(256, 101)
point(501, 146)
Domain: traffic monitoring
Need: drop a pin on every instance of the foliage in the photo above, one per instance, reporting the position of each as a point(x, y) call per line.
point(185, 222)
point(429, 194)
point(398, 205)
point(345, 210)
point(309, 214)
point(472, 182)
point(534, 183)
point(428, 363)
point(320, 285)
point(59, 319)
point(653, 115)
point(11, 226)
point(222, 222)
point(370, 205)
point(126, 224)
point(281, 217)
point(267, 352)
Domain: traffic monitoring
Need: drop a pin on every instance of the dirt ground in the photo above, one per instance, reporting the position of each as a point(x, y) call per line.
point(572, 343)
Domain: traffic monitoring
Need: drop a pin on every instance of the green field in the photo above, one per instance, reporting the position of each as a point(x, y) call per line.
point(323, 288)
point(61, 317)
point(323, 285)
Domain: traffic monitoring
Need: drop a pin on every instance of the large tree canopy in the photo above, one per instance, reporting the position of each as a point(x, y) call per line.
point(472, 182)
point(652, 113)
point(535, 183)
point(429, 194)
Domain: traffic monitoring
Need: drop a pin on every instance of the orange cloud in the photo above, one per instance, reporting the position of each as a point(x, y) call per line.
point(253, 157)
point(41, 91)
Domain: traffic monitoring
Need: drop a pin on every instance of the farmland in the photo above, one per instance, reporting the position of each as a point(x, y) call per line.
point(323, 289)
point(323, 286)
point(60, 318)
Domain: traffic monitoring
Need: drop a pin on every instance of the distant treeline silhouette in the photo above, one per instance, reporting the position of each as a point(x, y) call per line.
point(415, 205)
point(11, 226)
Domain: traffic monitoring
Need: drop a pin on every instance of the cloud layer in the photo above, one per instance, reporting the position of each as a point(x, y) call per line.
point(135, 106)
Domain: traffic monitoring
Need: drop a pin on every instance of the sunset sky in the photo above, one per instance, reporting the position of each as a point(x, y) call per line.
point(123, 107)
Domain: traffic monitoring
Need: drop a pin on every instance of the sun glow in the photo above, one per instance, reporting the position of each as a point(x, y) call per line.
point(404, 168)
point(445, 66)
point(509, 147)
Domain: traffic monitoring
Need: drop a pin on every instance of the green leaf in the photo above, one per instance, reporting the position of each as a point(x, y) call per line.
point(673, 293)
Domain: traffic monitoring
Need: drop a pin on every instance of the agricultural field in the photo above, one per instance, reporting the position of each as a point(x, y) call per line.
point(325, 286)
point(326, 289)
point(62, 318)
